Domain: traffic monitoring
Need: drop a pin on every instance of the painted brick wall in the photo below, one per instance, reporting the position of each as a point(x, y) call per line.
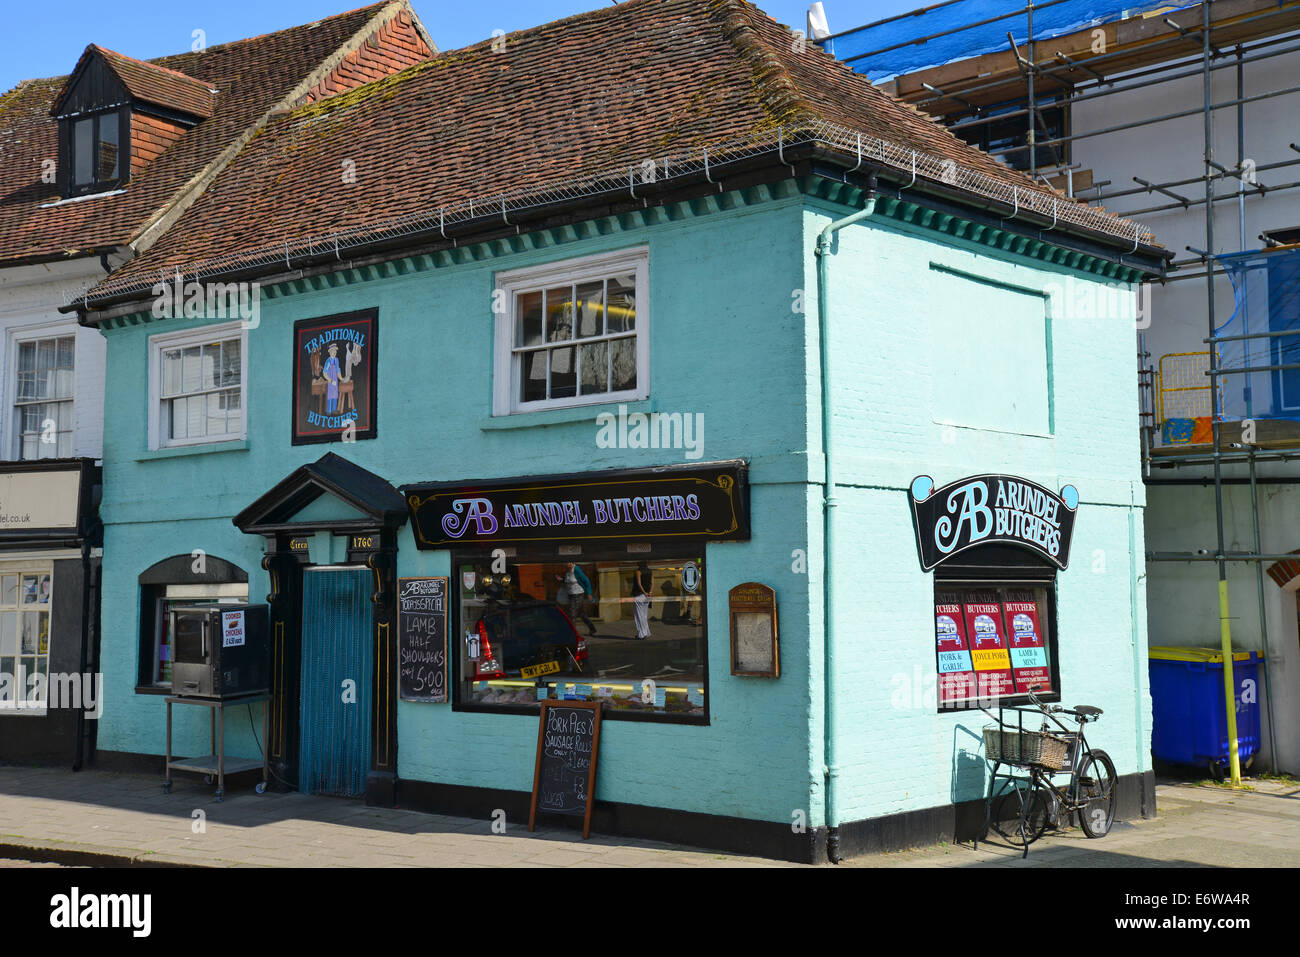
point(724, 342)
point(894, 316)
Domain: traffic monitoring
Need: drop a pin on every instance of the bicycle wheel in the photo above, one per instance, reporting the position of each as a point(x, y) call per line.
point(1095, 790)
point(1022, 799)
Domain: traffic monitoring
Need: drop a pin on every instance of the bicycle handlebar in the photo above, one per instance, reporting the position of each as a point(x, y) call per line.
point(1050, 711)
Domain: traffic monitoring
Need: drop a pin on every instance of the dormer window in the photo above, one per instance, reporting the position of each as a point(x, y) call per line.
point(95, 151)
point(117, 114)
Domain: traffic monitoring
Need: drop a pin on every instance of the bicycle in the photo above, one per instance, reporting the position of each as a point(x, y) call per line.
point(1035, 803)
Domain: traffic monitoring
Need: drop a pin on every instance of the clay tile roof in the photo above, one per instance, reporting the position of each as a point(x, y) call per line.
point(251, 76)
point(542, 109)
point(158, 85)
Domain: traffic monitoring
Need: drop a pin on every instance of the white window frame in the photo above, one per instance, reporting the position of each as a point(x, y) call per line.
point(193, 337)
point(36, 568)
point(13, 429)
point(512, 284)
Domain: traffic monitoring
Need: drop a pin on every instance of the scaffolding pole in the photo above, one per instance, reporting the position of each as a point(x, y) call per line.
point(1225, 623)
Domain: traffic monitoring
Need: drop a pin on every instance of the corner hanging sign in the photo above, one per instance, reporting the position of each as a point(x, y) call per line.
point(987, 509)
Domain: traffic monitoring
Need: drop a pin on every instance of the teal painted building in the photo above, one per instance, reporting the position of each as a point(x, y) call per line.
point(961, 338)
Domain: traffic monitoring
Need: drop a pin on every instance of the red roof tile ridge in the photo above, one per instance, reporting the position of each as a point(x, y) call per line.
point(778, 93)
point(10, 95)
point(297, 26)
point(148, 65)
point(869, 90)
point(452, 57)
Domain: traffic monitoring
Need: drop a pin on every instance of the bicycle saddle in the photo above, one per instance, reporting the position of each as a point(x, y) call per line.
point(1088, 710)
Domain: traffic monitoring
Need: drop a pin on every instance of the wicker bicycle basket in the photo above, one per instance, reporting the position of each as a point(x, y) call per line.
point(1026, 747)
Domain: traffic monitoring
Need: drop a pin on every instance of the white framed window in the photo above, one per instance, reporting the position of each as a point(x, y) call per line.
point(26, 596)
point(573, 333)
point(198, 386)
point(44, 407)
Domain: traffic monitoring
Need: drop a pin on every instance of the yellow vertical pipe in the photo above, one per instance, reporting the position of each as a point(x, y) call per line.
point(1229, 684)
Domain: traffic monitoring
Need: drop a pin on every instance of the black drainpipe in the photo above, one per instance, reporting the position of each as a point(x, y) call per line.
point(87, 542)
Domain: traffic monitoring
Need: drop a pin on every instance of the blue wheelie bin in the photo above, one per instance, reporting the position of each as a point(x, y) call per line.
point(1189, 720)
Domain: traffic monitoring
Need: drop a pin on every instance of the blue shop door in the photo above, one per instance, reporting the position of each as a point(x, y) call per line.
point(337, 681)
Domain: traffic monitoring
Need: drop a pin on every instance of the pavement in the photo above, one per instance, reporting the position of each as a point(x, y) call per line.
point(1196, 826)
point(101, 818)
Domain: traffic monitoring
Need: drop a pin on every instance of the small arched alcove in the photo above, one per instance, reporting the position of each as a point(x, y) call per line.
point(175, 582)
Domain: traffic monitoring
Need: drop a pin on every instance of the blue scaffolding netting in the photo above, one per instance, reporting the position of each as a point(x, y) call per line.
point(1266, 287)
point(895, 46)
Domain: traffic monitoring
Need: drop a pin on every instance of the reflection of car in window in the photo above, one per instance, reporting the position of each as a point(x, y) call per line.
point(947, 631)
point(985, 630)
point(526, 634)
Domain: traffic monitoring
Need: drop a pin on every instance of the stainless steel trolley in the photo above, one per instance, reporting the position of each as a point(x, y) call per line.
point(216, 764)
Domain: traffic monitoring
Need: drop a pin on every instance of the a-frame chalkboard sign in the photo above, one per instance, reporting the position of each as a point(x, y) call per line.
point(568, 746)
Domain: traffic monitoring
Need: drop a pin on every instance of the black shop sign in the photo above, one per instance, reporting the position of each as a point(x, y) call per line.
point(988, 509)
point(709, 501)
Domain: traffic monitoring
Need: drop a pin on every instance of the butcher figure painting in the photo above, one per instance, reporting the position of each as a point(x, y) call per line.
point(334, 373)
point(331, 374)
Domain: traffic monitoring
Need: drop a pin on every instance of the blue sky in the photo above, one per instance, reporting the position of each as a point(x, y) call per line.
point(44, 38)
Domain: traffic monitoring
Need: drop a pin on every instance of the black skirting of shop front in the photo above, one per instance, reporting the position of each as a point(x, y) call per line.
point(951, 823)
point(35, 522)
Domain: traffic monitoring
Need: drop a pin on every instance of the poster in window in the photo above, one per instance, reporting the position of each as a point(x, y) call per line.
point(1028, 653)
point(956, 673)
point(335, 366)
point(986, 635)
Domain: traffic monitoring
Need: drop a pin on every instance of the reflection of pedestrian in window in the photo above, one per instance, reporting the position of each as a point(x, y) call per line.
point(575, 590)
point(672, 613)
point(641, 582)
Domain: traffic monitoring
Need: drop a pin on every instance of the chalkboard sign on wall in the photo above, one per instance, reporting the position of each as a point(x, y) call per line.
point(422, 639)
point(568, 744)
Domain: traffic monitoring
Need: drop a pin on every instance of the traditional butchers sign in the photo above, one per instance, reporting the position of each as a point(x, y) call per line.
point(710, 502)
point(334, 367)
point(568, 745)
point(987, 509)
point(422, 639)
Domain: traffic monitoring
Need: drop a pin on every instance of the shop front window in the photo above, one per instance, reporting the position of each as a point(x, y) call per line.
point(627, 630)
point(994, 643)
point(25, 596)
